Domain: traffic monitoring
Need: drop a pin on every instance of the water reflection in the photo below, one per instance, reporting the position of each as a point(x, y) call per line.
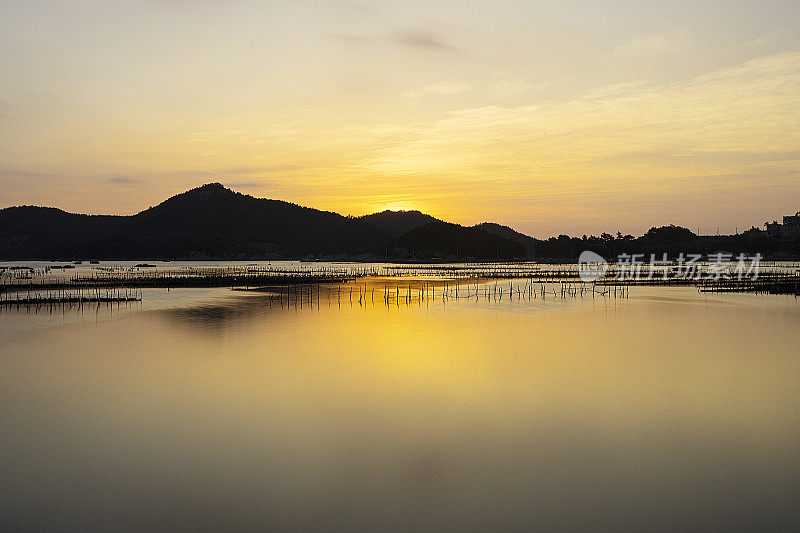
point(232, 312)
point(666, 410)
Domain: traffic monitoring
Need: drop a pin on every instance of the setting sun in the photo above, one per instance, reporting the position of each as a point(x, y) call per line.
point(396, 206)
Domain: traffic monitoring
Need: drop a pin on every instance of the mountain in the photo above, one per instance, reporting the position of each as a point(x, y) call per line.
point(431, 237)
point(214, 222)
point(28, 232)
point(209, 221)
point(447, 241)
point(529, 243)
point(398, 222)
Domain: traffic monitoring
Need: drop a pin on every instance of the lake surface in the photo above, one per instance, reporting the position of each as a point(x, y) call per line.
point(215, 409)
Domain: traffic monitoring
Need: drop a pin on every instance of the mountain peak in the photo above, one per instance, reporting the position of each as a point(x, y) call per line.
point(209, 190)
point(398, 222)
point(214, 187)
point(211, 196)
point(398, 212)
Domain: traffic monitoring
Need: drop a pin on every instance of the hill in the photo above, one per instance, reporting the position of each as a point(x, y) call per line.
point(529, 243)
point(207, 222)
point(214, 222)
point(29, 232)
point(397, 223)
point(442, 240)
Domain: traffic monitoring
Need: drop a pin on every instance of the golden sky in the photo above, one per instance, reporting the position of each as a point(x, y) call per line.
point(551, 117)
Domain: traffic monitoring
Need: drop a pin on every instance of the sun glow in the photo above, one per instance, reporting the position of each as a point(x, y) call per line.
point(399, 205)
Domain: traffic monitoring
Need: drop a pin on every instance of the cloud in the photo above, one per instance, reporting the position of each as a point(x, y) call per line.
point(122, 180)
point(504, 85)
point(562, 158)
point(615, 90)
point(653, 44)
point(350, 38)
point(438, 89)
point(735, 119)
point(243, 184)
point(245, 170)
point(354, 7)
point(421, 39)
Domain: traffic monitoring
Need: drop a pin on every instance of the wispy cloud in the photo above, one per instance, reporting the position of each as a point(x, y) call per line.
point(438, 89)
point(733, 121)
point(652, 44)
point(351, 38)
point(632, 137)
point(122, 180)
point(615, 90)
point(255, 170)
point(416, 39)
point(244, 184)
point(421, 39)
point(504, 85)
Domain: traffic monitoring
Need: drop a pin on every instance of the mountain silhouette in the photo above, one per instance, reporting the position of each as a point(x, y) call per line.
point(446, 241)
point(528, 243)
point(214, 222)
point(217, 222)
point(29, 232)
point(398, 222)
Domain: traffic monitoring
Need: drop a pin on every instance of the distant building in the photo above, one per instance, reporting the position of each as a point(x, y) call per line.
point(773, 228)
point(753, 232)
point(789, 228)
point(791, 225)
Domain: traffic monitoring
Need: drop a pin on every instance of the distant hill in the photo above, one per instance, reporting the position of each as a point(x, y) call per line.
point(529, 243)
point(29, 232)
point(398, 222)
point(214, 222)
point(447, 241)
point(431, 237)
point(207, 222)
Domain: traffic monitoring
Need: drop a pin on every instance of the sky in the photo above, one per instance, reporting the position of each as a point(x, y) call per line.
point(551, 117)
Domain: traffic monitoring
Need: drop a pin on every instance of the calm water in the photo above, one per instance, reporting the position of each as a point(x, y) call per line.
point(211, 409)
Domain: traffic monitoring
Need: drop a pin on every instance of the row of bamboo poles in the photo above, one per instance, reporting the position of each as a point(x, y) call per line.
point(773, 284)
point(300, 295)
point(252, 277)
point(71, 297)
point(778, 279)
point(165, 280)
